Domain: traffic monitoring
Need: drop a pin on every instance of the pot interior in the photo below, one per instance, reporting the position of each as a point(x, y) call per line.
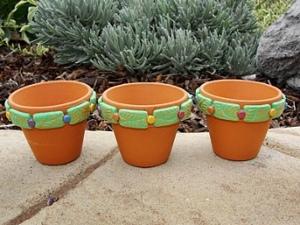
point(50, 95)
point(144, 94)
point(240, 91)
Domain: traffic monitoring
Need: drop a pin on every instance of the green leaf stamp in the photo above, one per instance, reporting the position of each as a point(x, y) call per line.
point(186, 108)
point(48, 120)
point(20, 119)
point(257, 113)
point(166, 116)
point(53, 119)
point(139, 119)
point(107, 111)
point(233, 112)
point(226, 111)
point(79, 113)
point(133, 118)
point(203, 103)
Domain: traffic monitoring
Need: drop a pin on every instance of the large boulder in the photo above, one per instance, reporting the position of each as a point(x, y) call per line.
point(278, 53)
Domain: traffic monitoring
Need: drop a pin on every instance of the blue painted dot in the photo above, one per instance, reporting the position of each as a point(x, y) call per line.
point(67, 118)
point(195, 100)
point(286, 105)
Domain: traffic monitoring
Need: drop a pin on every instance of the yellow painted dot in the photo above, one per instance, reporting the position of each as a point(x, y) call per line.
point(92, 107)
point(116, 116)
point(151, 119)
point(273, 112)
point(7, 114)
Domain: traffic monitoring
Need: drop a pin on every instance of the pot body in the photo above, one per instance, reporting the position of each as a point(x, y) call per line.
point(141, 115)
point(52, 116)
point(236, 140)
point(145, 147)
point(56, 146)
point(239, 114)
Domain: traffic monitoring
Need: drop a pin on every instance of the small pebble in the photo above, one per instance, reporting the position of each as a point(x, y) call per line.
point(50, 201)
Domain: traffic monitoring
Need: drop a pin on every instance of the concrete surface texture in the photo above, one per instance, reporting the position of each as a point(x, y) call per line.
point(194, 187)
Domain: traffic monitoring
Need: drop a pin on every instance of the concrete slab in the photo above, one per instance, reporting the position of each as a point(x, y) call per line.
point(284, 140)
point(25, 184)
point(193, 187)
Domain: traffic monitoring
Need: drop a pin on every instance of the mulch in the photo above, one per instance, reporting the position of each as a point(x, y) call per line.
point(17, 70)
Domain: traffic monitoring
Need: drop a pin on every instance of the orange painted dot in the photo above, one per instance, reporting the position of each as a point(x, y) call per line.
point(116, 116)
point(7, 114)
point(273, 112)
point(92, 107)
point(211, 110)
point(151, 119)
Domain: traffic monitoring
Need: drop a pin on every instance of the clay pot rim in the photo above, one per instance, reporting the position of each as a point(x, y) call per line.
point(241, 102)
point(121, 105)
point(24, 108)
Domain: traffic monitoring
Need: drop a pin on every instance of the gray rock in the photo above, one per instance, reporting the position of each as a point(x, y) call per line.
point(278, 53)
point(294, 82)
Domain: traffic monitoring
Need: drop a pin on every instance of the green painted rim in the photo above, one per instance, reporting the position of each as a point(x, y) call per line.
point(53, 119)
point(234, 112)
point(139, 119)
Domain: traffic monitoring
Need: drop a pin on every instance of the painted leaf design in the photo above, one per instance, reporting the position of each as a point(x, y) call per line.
point(166, 116)
point(7, 105)
point(279, 107)
point(133, 118)
point(226, 111)
point(20, 119)
point(203, 103)
point(107, 112)
point(79, 113)
point(257, 113)
point(186, 107)
point(93, 98)
point(48, 120)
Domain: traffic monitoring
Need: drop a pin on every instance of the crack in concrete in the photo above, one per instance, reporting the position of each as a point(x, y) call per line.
point(63, 190)
point(277, 146)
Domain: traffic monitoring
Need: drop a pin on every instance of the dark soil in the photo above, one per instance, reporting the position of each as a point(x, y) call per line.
point(17, 70)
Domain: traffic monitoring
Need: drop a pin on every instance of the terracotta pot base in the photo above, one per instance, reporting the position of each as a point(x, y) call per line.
point(240, 144)
point(153, 148)
point(52, 149)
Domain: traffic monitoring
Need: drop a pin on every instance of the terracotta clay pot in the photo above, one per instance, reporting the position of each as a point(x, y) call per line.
point(239, 113)
point(52, 116)
point(145, 119)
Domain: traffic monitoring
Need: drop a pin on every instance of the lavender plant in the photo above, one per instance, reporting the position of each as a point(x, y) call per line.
point(185, 37)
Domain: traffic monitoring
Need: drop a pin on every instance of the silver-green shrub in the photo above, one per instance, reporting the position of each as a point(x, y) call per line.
point(185, 37)
point(66, 26)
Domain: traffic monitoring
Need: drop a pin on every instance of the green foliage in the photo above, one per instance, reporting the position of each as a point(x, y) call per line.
point(269, 11)
point(132, 47)
point(66, 26)
point(186, 37)
point(14, 17)
point(33, 50)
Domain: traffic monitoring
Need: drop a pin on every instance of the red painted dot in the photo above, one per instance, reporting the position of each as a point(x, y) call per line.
point(241, 114)
point(181, 114)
